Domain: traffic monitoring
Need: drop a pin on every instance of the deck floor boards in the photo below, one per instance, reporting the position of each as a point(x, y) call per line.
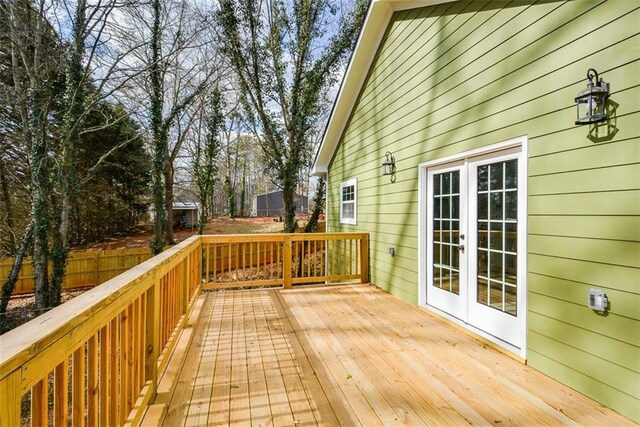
point(355, 355)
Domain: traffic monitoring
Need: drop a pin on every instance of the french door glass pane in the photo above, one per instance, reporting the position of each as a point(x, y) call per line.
point(497, 235)
point(446, 231)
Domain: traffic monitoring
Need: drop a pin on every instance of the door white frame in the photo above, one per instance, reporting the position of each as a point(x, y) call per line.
point(439, 297)
point(519, 144)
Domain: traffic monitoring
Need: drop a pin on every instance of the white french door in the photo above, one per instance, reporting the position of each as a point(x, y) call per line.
point(447, 262)
point(475, 242)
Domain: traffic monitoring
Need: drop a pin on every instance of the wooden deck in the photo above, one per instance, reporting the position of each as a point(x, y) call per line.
point(351, 355)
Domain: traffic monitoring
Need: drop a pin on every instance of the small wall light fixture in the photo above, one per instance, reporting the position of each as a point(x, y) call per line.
point(389, 164)
point(591, 101)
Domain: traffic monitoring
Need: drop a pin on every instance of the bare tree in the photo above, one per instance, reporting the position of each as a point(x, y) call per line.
point(237, 160)
point(33, 68)
point(205, 158)
point(179, 56)
point(283, 64)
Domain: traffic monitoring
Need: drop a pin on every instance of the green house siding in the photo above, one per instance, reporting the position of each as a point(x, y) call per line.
point(459, 76)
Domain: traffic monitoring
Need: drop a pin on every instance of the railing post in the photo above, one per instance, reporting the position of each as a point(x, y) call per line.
point(152, 337)
point(200, 263)
point(10, 401)
point(186, 264)
point(96, 272)
point(287, 261)
point(364, 258)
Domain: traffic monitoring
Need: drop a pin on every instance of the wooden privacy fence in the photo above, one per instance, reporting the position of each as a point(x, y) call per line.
point(237, 261)
point(98, 357)
point(87, 268)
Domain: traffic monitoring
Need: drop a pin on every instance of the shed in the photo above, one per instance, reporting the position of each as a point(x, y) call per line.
point(502, 215)
point(272, 204)
point(185, 214)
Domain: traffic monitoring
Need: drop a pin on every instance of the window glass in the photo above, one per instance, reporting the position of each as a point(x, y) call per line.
point(348, 195)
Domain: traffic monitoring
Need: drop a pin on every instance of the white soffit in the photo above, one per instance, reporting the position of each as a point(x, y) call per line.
point(373, 30)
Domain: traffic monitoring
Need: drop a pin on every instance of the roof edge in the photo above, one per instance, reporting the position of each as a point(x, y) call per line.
point(373, 29)
point(319, 170)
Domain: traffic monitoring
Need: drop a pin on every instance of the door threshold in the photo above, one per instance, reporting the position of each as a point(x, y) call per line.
point(488, 339)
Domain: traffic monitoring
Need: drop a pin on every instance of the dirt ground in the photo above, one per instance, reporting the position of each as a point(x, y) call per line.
point(141, 236)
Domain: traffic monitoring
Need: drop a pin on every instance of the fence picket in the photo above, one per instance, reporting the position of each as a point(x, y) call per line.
point(84, 269)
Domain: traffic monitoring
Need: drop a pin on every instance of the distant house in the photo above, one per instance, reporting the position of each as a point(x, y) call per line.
point(272, 204)
point(185, 214)
point(501, 215)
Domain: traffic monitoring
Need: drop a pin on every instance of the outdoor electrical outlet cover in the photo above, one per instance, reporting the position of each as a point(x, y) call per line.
point(598, 300)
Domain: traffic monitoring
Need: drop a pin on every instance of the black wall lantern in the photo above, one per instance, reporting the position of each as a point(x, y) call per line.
point(389, 164)
point(591, 101)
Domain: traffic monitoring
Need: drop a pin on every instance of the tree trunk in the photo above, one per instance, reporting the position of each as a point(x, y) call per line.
point(159, 203)
point(40, 216)
point(10, 283)
point(168, 197)
point(28, 59)
point(160, 136)
point(228, 189)
point(6, 201)
point(289, 198)
point(40, 189)
point(203, 220)
point(243, 191)
point(59, 256)
point(312, 225)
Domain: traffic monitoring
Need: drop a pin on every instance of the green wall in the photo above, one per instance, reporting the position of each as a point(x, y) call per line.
point(450, 78)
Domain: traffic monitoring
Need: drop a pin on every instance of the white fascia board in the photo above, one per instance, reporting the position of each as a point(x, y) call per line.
point(414, 4)
point(374, 27)
point(319, 170)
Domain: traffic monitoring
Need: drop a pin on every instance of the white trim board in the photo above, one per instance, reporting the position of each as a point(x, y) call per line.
point(518, 141)
point(512, 146)
point(353, 182)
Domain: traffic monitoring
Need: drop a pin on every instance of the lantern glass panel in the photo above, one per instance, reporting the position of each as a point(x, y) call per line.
point(583, 110)
point(388, 165)
point(598, 104)
point(591, 105)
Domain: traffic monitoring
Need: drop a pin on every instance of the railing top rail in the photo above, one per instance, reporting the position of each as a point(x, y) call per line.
point(29, 340)
point(327, 236)
point(279, 237)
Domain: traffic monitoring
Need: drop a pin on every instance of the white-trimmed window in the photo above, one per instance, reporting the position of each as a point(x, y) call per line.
point(348, 201)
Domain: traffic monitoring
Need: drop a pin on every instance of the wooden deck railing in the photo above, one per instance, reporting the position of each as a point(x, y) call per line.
point(98, 357)
point(237, 261)
point(106, 346)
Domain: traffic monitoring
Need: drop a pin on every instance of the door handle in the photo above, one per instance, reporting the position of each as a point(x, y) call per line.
point(461, 248)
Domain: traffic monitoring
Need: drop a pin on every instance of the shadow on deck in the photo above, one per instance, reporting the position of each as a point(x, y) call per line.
point(348, 355)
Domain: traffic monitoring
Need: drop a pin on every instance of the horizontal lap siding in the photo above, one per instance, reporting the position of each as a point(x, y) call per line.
point(458, 76)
